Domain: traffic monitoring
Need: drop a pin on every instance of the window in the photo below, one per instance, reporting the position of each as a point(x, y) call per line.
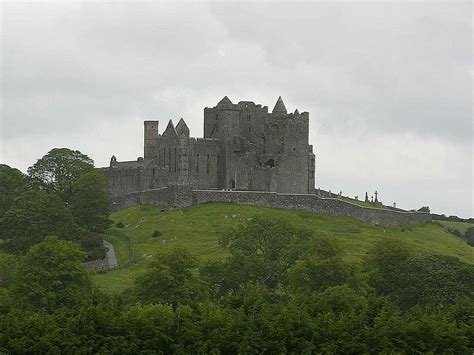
point(197, 163)
point(208, 164)
point(169, 159)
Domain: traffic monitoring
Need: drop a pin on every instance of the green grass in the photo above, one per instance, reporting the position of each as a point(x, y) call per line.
point(198, 228)
point(460, 226)
point(362, 203)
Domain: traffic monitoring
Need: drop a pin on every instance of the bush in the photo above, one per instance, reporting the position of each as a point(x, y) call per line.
point(156, 234)
point(119, 224)
point(92, 244)
point(455, 232)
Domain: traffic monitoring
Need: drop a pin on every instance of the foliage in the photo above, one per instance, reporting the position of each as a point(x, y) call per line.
point(333, 313)
point(34, 215)
point(199, 227)
point(59, 169)
point(92, 244)
point(8, 266)
point(455, 232)
point(469, 235)
point(418, 280)
point(383, 264)
point(321, 266)
point(170, 278)
point(263, 250)
point(90, 202)
point(12, 183)
point(51, 275)
point(156, 234)
point(433, 279)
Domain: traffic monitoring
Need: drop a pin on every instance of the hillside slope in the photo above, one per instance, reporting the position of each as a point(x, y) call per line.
point(198, 228)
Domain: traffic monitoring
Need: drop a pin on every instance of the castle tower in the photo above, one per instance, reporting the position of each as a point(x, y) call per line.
point(222, 121)
point(150, 139)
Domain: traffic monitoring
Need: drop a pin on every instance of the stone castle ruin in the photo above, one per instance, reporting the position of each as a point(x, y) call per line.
point(244, 148)
point(248, 155)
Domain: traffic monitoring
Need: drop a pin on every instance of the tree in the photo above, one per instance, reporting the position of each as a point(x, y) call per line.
point(383, 264)
point(90, 202)
point(170, 278)
point(12, 183)
point(263, 250)
point(469, 235)
point(8, 265)
point(320, 267)
point(58, 170)
point(34, 215)
point(51, 275)
point(433, 279)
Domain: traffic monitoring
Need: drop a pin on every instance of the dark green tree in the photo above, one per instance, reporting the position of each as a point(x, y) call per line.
point(12, 183)
point(52, 275)
point(320, 267)
point(469, 235)
point(433, 280)
point(34, 215)
point(263, 250)
point(59, 169)
point(383, 264)
point(90, 202)
point(8, 266)
point(171, 278)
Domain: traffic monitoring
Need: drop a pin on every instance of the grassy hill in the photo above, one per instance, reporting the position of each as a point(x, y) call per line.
point(460, 226)
point(198, 228)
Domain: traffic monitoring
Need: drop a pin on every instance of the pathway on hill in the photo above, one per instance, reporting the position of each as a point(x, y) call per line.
point(110, 256)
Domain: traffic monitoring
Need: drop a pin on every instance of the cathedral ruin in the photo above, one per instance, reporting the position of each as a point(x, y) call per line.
point(245, 147)
point(247, 156)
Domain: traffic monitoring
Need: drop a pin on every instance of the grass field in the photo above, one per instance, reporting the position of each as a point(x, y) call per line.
point(460, 226)
point(198, 228)
point(362, 203)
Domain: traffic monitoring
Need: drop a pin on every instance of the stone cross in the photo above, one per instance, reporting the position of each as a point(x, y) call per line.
point(376, 193)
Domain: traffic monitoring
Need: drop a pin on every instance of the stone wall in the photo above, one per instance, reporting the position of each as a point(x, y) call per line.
point(313, 203)
point(176, 196)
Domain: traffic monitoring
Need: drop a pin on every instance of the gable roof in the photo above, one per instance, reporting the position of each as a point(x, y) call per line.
point(182, 128)
point(170, 130)
point(279, 106)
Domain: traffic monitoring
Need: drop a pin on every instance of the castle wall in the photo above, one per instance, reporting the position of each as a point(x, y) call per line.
point(313, 203)
point(183, 196)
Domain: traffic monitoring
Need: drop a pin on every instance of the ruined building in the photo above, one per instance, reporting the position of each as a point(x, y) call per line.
point(244, 148)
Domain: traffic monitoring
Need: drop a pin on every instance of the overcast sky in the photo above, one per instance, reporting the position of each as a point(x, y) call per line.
point(388, 85)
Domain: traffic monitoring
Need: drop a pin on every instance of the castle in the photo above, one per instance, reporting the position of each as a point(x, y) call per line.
point(244, 148)
point(247, 156)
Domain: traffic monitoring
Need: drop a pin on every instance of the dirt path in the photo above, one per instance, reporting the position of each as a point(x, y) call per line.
point(110, 256)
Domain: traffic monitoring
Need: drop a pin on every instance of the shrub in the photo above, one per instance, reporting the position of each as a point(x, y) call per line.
point(156, 234)
point(455, 232)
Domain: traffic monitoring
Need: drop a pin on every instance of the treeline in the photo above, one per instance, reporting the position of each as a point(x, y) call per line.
point(280, 290)
point(442, 217)
point(62, 195)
